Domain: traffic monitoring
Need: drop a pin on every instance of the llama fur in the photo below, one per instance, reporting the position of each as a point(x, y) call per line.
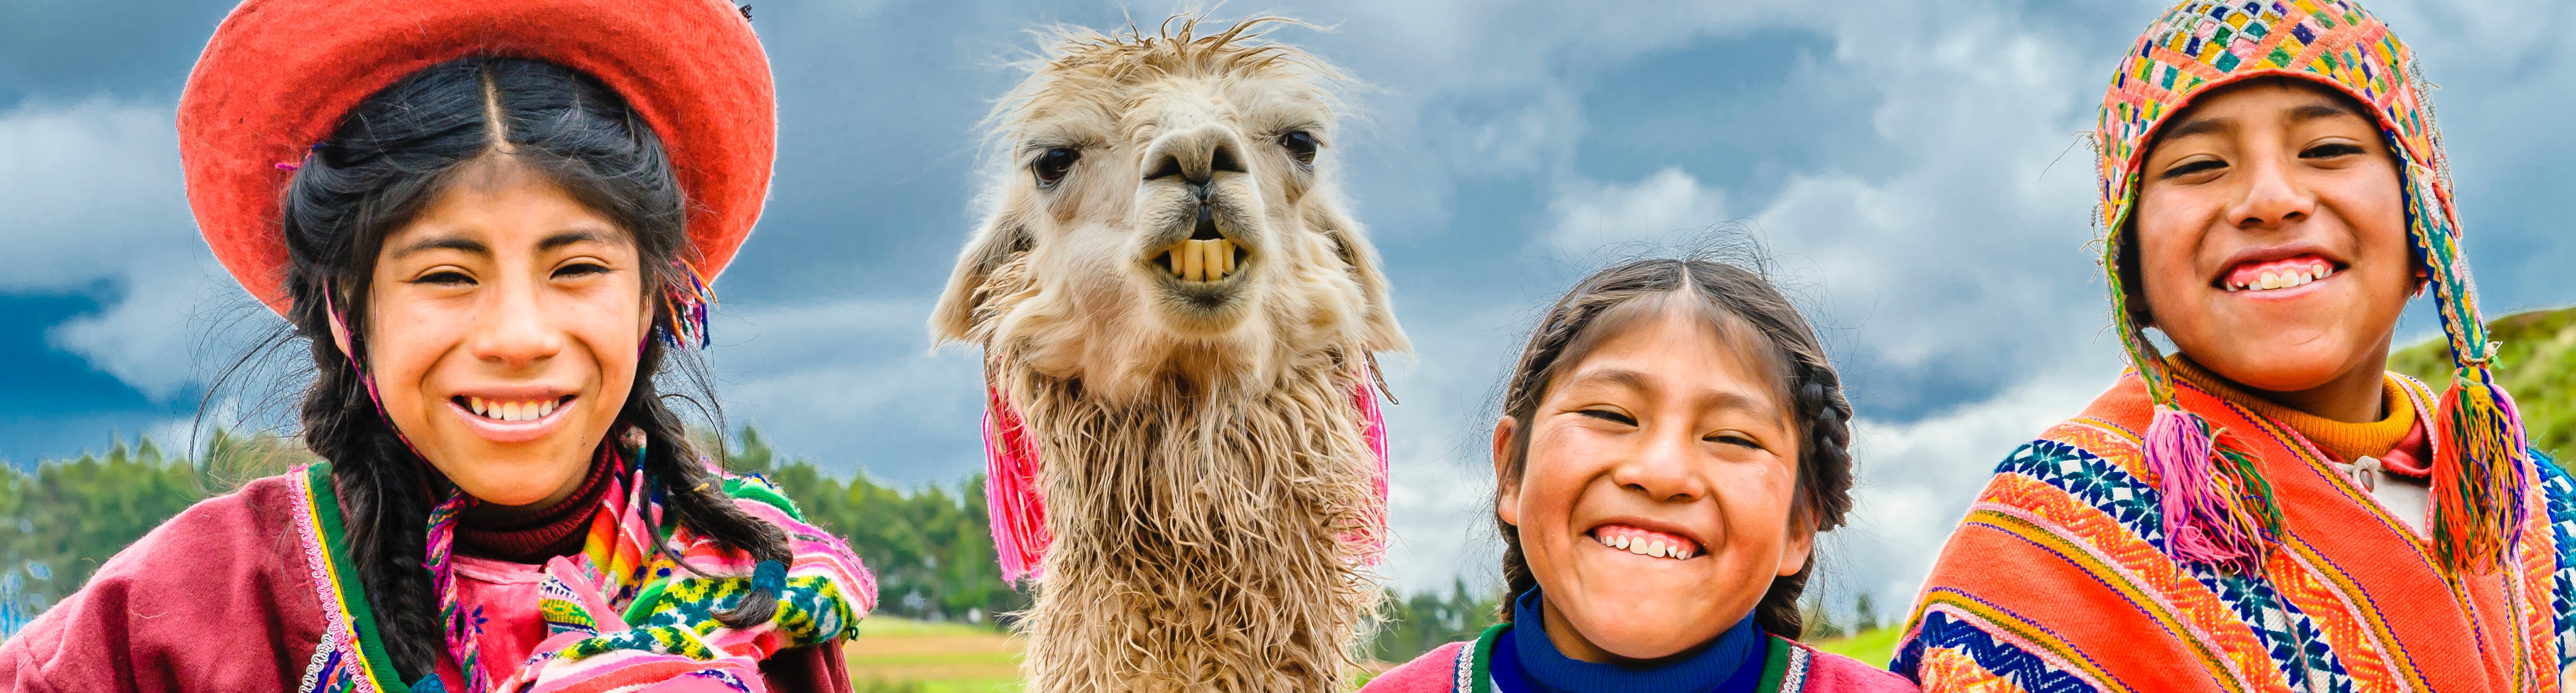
point(1208, 486)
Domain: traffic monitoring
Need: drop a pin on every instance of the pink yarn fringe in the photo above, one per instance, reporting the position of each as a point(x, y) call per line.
point(1372, 540)
point(2199, 520)
point(1011, 496)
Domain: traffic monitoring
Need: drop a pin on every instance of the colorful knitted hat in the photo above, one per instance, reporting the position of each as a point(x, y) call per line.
point(2217, 508)
point(279, 75)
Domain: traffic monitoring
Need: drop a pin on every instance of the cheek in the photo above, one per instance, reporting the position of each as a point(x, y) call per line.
point(407, 339)
point(1561, 464)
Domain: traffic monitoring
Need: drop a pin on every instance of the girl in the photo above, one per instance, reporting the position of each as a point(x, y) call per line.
point(1671, 442)
point(492, 258)
point(2268, 508)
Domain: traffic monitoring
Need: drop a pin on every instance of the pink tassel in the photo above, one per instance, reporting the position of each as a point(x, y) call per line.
point(2202, 522)
point(1372, 539)
point(1011, 495)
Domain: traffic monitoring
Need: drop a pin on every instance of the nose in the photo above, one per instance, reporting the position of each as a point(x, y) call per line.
point(2273, 196)
point(1661, 467)
point(1195, 156)
point(515, 332)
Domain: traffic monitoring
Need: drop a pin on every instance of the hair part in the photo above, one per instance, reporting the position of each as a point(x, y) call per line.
point(1750, 315)
point(393, 155)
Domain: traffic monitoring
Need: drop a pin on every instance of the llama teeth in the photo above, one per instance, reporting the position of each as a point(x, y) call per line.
point(1225, 251)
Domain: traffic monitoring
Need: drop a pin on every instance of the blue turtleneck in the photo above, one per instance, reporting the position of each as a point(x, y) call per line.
point(1526, 661)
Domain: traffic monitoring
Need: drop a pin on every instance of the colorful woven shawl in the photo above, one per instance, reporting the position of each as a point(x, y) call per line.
point(2061, 578)
point(638, 604)
point(2216, 509)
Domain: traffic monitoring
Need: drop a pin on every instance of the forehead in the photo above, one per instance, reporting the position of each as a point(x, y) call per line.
point(2262, 100)
point(1684, 343)
point(1080, 98)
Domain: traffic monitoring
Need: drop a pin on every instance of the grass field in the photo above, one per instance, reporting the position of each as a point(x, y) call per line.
point(894, 655)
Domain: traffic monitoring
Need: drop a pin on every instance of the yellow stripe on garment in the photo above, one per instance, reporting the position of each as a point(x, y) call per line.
point(2211, 661)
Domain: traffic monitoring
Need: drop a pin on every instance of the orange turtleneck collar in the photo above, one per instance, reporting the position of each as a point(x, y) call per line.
point(2344, 440)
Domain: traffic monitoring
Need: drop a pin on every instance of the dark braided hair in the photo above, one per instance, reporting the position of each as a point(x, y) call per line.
point(1734, 300)
point(390, 157)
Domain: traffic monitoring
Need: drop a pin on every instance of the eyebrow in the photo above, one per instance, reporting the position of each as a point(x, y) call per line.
point(1638, 381)
point(565, 238)
point(456, 243)
point(2316, 111)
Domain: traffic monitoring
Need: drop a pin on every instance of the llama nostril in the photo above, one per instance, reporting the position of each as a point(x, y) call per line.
point(1171, 166)
point(1223, 160)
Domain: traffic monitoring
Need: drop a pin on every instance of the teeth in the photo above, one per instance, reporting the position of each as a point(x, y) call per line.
point(475, 403)
point(548, 407)
point(1200, 261)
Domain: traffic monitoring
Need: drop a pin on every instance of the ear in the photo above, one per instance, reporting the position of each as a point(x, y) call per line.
point(1002, 237)
point(1507, 486)
point(1800, 544)
point(1351, 244)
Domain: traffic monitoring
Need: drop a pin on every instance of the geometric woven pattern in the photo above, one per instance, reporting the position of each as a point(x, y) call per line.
point(2057, 580)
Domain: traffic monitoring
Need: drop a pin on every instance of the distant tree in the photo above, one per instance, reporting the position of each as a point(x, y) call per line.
point(1864, 613)
point(1412, 625)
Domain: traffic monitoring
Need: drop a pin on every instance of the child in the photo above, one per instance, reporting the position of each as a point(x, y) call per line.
point(492, 259)
point(1671, 442)
point(2267, 509)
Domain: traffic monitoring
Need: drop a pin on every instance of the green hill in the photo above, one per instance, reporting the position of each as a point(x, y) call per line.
point(2537, 363)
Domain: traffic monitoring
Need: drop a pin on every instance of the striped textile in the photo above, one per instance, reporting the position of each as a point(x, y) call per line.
point(2059, 580)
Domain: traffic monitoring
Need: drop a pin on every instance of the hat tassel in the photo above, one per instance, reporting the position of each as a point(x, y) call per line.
point(2481, 480)
point(2205, 494)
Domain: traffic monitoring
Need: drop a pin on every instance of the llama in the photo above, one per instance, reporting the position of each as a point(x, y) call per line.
point(1179, 326)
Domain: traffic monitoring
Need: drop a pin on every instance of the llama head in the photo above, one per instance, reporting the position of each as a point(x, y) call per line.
point(1162, 211)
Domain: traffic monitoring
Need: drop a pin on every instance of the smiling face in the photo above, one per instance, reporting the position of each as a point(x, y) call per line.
point(502, 332)
point(1658, 497)
point(2271, 238)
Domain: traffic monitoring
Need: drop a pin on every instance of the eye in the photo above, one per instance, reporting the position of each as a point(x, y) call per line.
point(1052, 166)
point(2331, 150)
point(1301, 145)
point(1730, 438)
point(580, 269)
point(445, 278)
point(2192, 166)
point(1609, 415)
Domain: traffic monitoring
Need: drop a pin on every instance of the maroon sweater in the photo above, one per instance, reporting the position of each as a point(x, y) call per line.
point(218, 599)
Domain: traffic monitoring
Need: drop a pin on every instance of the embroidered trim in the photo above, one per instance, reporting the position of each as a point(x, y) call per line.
point(1467, 668)
point(1795, 677)
point(339, 662)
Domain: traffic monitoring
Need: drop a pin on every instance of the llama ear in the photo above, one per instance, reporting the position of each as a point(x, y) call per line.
point(1002, 237)
point(1351, 244)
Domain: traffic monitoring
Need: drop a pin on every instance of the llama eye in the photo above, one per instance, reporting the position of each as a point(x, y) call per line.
point(1054, 164)
point(1301, 146)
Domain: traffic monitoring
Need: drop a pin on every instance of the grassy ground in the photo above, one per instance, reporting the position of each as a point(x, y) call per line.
point(893, 655)
point(1872, 647)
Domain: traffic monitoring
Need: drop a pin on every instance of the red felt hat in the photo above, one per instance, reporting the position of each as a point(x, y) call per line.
point(280, 74)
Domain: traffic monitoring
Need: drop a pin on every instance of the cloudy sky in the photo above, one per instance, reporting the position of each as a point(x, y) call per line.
point(1912, 166)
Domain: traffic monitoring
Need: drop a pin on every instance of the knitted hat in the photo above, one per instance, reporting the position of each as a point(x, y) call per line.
point(2217, 508)
point(279, 75)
